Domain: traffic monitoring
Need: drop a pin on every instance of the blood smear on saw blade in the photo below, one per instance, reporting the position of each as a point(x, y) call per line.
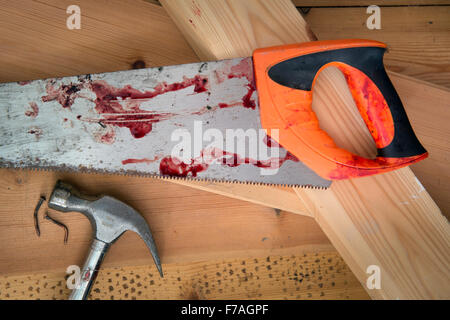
point(122, 122)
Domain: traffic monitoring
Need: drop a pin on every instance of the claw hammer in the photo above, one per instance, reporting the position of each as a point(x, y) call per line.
point(109, 218)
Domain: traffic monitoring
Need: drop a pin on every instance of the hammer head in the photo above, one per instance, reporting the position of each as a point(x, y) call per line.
point(109, 217)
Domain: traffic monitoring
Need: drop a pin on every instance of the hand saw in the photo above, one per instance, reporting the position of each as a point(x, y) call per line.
point(244, 120)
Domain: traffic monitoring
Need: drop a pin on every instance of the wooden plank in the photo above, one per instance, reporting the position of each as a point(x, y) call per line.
point(418, 37)
point(376, 222)
point(228, 29)
point(188, 228)
point(40, 16)
point(72, 52)
point(430, 126)
point(365, 3)
point(347, 3)
point(427, 170)
point(310, 276)
point(188, 225)
point(20, 198)
point(113, 36)
point(277, 197)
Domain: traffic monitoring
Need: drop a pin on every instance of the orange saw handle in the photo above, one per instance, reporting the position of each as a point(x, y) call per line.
point(285, 78)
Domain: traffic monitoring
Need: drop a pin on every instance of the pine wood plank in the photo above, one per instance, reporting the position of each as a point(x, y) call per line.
point(311, 276)
point(187, 227)
point(380, 226)
point(36, 44)
point(187, 224)
point(46, 19)
point(229, 29)
point(430, 125)
point(350, 3)
point(101, 45)
point(85, 46)
point(418, 37)
point(277, 197)
point(345, 3)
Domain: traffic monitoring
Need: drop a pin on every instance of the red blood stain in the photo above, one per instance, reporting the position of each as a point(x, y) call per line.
point(129, 161)
point(247, 99)
point(107, 92)
point(203, 111)
point(34, 110)
point(87, 275)
point(107, 104)
point(23, 83)
point(234, 160)
point(243, 69)
point(139, 121)
point(357, 166)
point(196, 9)
point(271, 143)
point(121, 106)
point(173, 166)
point(371, 105)
point(229, 105)
point(36, 131)
point(106, 137)
point(65, 94)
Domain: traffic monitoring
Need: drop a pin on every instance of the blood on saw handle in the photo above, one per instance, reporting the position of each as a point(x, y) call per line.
point(285, 78)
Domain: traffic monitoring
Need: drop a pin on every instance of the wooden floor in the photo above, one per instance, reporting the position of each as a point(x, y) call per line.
point(213, 247)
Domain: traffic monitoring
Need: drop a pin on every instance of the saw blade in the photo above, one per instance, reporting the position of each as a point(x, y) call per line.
point(197, 120)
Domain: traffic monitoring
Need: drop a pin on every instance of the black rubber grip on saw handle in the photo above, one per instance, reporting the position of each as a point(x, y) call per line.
point(300, 73)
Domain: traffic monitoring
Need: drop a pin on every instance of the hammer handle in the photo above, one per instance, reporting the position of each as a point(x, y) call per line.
point(90, 270)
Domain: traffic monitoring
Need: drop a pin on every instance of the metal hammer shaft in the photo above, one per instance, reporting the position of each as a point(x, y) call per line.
point(90, 270)
point(109, 218)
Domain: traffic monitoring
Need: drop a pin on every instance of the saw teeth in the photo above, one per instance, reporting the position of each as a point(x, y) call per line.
point(81, 169)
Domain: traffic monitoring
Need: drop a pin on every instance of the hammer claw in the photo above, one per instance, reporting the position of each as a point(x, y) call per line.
point(148, 239)
point(109, 218)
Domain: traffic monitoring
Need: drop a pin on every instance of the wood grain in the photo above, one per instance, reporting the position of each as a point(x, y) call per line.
point(35, 42)
point(187, 224)
point(82, 43)
point(350, 3)
point(310, 276)
point(387, 232)
point(343, 3)
point(418, 37)
point(429, 123)
point(430, 126)
point(74, 52)
point(353, 204)
point(277, 197)
point(427, 171)
point(186, 230)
